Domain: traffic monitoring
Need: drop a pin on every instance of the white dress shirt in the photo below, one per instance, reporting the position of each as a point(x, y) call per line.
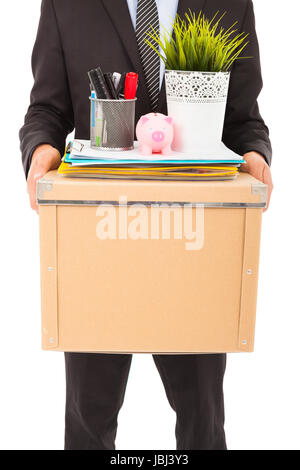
point(167, 10)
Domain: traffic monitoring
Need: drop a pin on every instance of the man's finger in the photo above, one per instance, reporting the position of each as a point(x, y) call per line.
point(32, 182)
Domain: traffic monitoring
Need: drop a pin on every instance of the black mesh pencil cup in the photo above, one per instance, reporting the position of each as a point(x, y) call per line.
point(112, 124)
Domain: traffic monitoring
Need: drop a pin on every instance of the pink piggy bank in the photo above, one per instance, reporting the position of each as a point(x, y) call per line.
point(155, 134)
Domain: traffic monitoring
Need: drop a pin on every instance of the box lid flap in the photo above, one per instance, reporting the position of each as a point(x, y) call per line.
point(60, 190)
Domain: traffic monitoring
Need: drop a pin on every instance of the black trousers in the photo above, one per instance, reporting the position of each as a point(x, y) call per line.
point(96, 386)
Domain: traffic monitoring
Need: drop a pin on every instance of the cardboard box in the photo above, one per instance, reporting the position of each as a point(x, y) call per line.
point(149, 266)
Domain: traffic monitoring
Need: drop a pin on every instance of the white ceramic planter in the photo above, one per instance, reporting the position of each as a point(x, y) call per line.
point(197, 103)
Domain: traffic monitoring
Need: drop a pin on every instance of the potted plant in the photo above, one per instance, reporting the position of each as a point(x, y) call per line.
point(198, 59)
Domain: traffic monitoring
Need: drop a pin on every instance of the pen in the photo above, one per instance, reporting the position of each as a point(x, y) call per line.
point(121, 87)
point(110, 85)
point(93, 96)
point(131, 82)
point(97, 120)
point(116, 79)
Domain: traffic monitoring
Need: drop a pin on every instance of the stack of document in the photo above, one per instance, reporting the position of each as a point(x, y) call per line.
point(80, 160)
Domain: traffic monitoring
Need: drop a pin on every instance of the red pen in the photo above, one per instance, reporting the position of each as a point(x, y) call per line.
point(131, 82)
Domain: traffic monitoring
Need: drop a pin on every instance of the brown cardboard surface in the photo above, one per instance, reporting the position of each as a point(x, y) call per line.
point(152, 296)
point(54, 187)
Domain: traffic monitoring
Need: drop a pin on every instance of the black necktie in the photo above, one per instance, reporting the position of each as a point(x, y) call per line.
point(147, 16)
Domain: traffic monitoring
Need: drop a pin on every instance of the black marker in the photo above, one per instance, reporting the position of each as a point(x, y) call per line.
point(95, 84)
point(99, 84)
point(121, 87)
point(110, 85)
point(103, 84)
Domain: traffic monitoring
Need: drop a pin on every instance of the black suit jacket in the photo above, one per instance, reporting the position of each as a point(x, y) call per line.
point(75, 36)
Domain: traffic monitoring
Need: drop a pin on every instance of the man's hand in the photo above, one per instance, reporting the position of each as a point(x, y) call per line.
point(257, 167)
point(44, 159)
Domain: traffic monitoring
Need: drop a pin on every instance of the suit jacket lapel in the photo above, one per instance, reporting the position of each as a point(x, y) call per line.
point(120, 17)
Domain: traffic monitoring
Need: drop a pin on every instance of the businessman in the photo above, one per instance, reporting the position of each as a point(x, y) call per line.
point(75, 36)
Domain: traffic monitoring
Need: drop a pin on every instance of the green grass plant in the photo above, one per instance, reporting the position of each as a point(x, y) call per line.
point(199, 44)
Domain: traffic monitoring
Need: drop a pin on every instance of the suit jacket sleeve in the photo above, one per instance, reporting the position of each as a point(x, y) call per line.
point(50, 115)
point(244, 128)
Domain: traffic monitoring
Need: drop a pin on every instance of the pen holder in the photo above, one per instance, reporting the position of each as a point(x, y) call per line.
point(112, 124)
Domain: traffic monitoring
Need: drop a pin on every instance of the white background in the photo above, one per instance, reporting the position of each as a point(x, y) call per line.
point(262, 389)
